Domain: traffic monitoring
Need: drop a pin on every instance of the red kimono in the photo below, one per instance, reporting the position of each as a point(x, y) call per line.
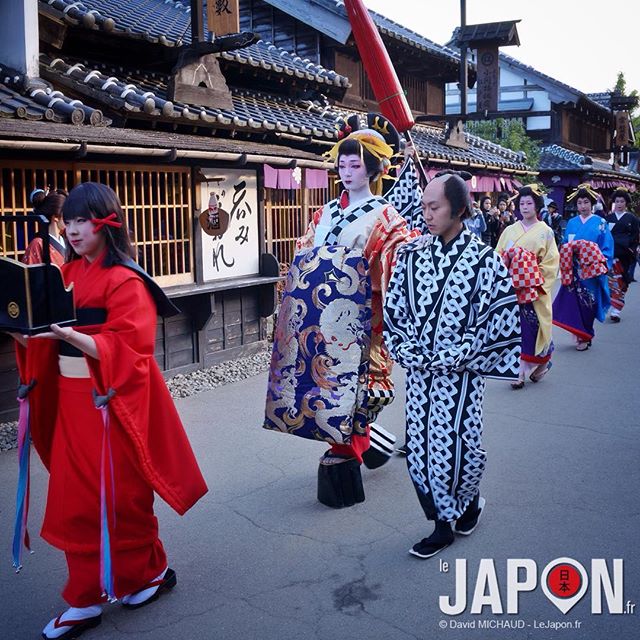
point(150, 449)
point(34, 253)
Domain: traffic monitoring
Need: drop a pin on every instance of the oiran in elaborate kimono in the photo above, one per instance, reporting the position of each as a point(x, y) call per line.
point(586, 257)
point(533, 238)
point(330, 371)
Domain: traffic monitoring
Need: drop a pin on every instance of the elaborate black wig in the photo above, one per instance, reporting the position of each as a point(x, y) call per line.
point(527, 190)
point(621, 193)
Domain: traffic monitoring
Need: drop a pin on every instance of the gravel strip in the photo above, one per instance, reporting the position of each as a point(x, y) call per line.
point(8, 436)
point(181, 386)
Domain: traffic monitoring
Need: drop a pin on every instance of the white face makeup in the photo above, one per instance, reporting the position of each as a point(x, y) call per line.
point(353, 173)
point(528, 208)
point(584, 207)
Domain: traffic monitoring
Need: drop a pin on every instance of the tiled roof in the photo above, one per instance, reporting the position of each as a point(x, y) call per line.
point(167, 22)
point(429, 141)
point(135, 91)
point(138, 140)
point(615, 100)
point(575, 93)
point(503, 33)
point(40, 102)
point(394, 30)
point(557, 159)
point(269, 57)
point(163, 21)
point(145, 94)
point(603, 98)
point(397, 31)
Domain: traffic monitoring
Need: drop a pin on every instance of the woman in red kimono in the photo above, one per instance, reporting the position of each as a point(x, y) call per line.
point(103, 422)
point(48, 204)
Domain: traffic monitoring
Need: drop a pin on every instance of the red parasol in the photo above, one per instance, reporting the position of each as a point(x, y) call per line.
point(378, 67)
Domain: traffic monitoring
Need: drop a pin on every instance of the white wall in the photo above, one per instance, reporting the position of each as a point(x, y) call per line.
point(19, 35)
point(514, 85)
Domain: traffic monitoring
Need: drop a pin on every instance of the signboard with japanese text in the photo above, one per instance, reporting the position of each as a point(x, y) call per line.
point(488, 79)
point(229, 220)
point(622, 128)
point(223, 16)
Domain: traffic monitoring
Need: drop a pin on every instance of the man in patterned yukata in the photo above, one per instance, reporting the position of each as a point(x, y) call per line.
point(451, 320)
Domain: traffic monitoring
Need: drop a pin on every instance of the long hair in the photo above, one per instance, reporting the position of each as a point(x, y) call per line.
point(95, 200)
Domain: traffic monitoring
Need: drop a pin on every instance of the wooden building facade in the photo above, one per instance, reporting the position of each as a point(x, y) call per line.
point(102, 108)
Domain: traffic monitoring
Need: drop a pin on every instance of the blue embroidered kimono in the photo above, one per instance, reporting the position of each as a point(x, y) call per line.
point(577, 305)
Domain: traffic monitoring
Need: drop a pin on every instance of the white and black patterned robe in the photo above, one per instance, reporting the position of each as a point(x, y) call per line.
point(451, 319)
point(405, 195)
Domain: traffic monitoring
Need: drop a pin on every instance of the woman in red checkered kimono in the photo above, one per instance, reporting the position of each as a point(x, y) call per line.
point(536, 247)
point(586, 256)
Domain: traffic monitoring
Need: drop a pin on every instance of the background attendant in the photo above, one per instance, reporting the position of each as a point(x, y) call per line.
point(586, 298)
point(555, 222)
point(625, 230)
point(492, 221)
point(48, 204)
point(536, 238)
point(475, 222)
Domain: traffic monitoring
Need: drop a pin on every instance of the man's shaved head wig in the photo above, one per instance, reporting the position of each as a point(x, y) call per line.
point(456, 192)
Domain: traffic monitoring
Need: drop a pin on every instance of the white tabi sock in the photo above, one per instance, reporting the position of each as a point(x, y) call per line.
point(72, 613)
point(145, 594)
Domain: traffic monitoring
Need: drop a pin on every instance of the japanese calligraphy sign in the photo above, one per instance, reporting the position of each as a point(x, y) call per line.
point(622, 128)
point(235, 251)
point(223, 16)
point(488, 79)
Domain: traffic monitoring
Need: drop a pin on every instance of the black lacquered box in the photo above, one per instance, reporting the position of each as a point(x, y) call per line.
point(32, 297)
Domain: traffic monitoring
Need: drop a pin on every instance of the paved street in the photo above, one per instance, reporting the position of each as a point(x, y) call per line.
point(259, 558)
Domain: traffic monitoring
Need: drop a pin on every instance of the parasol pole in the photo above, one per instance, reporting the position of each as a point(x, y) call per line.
point(381, 73)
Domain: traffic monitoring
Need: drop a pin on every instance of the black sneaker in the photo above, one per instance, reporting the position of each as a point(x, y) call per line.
point(615, 318)
point(465, 525)
point(427, 549)
point(402, 451)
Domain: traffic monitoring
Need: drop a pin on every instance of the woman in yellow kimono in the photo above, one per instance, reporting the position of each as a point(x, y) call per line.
point(533, 235)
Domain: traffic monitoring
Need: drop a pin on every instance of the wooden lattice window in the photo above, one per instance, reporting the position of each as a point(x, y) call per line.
point(416, 91)
point(156, 202)
point(17, 181)
point(288, 212)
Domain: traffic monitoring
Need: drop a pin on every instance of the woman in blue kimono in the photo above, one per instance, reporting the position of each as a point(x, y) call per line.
point(579, 303)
